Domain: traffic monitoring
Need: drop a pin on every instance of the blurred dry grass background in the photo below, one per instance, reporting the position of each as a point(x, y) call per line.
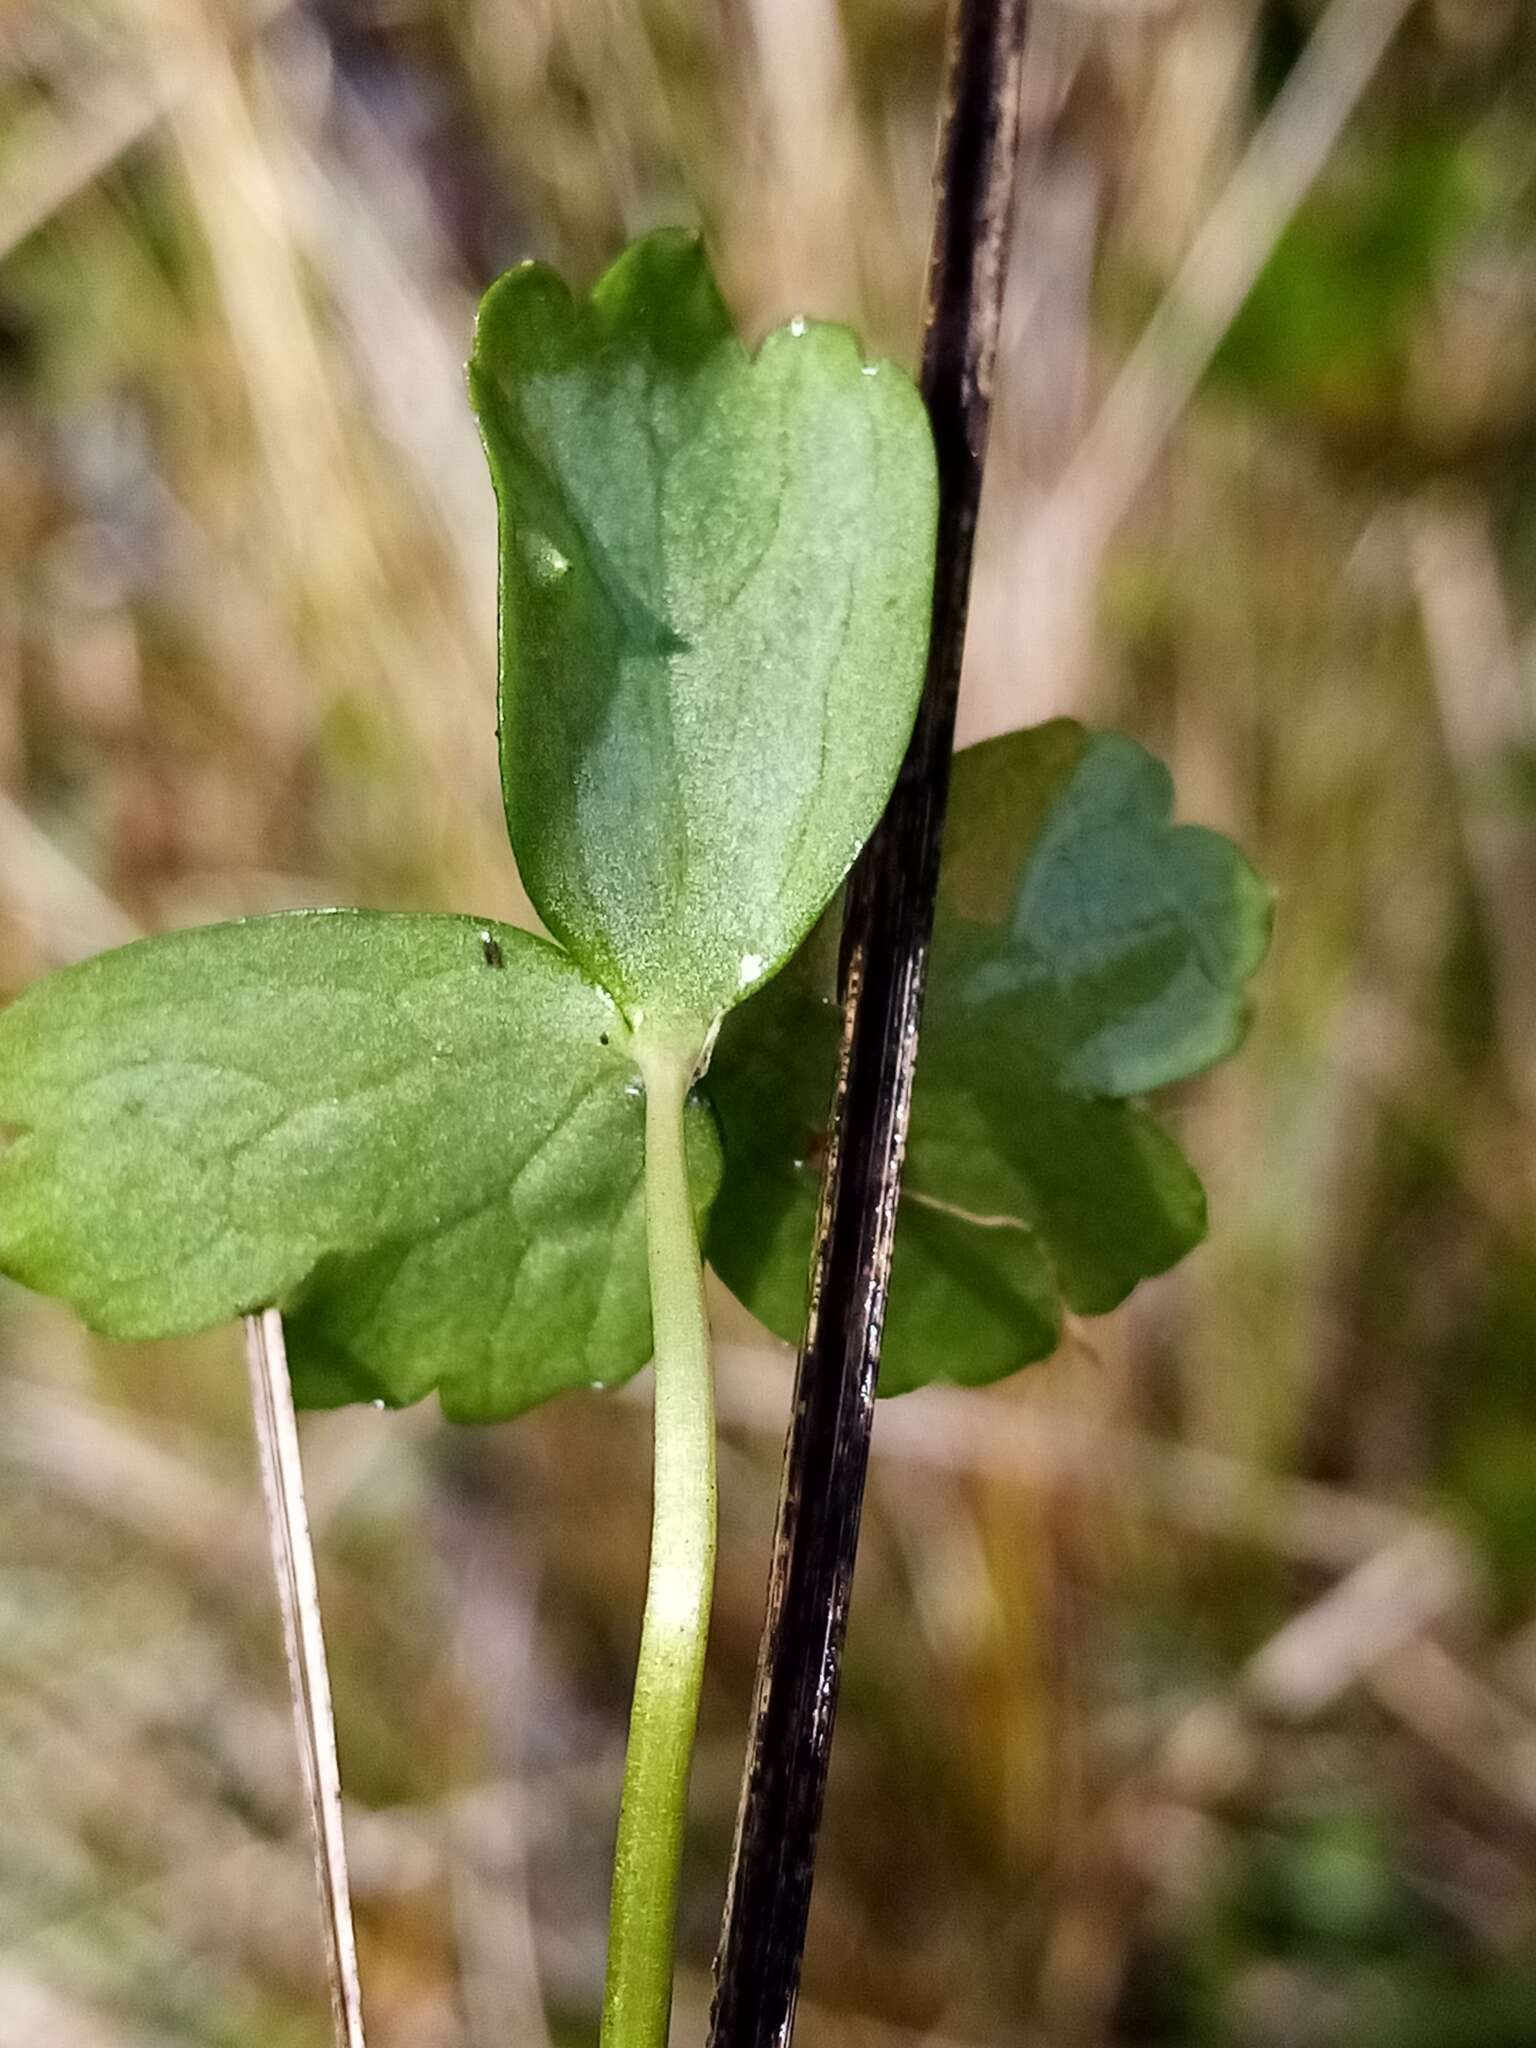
point(1191, 1695)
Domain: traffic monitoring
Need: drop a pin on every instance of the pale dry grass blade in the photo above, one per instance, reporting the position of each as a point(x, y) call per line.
point(227, 150)
point(407, 331)
point(500, 1982)
point(1175, 349)
point(293, 1560)
point(1397, 1597)
point(1474, 1725)
point(1025, 1444)
point(52, 158)
point(33, 2011)
point(42, 885)
point(61, 158)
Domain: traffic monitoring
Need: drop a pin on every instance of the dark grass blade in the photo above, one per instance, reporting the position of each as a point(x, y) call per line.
point(886, 933)
point(293, 1562)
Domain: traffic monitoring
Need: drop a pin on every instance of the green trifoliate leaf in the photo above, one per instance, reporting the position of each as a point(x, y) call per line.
point(715, 583)
point(419, 1135)
point(1085, 950)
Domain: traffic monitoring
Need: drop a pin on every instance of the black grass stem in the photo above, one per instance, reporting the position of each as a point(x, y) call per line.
point(886, 933)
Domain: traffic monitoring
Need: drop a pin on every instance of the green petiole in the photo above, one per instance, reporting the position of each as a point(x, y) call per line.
point(637, 1998)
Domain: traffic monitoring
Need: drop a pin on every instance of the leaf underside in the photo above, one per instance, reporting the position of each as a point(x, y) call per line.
point(419, 1136)
point(716, 572)
point(1085, 950)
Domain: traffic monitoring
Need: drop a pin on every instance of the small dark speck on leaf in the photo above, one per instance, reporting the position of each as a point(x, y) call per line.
point(602, 1038)
point(491, 948)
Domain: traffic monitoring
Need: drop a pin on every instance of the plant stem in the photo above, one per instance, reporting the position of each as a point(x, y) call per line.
point(637, 1999)
point(887, 928)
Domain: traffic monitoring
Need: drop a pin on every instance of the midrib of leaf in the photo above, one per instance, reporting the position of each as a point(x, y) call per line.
point(959, 1214)
point(681, 852)
point(795, 845)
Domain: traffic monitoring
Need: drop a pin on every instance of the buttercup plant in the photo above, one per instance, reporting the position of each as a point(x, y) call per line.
point(466, 1160)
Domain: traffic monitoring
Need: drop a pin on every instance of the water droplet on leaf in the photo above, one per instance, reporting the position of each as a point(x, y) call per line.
point(545, 562)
